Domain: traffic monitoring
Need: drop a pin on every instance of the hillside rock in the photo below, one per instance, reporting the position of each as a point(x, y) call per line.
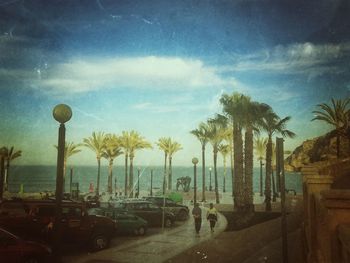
point(318, 149)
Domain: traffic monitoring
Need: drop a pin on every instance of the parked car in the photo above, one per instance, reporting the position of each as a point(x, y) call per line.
point(35, 218)
point(149, 211)
point(15, 249)
point(127, 223)
point(181, 212)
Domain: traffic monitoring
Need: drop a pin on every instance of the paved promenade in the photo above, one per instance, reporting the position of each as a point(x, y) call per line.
point(158, 247)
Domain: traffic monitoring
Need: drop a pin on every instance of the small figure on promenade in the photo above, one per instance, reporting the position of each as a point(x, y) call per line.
point(197, 215)
point(212, 216)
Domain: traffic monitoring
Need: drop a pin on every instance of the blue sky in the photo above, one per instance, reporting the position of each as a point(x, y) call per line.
point(160, 67)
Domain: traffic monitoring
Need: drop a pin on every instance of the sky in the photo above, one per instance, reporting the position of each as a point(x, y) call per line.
point(160, 68)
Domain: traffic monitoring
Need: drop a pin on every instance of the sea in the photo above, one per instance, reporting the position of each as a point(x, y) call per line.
point(34, 179)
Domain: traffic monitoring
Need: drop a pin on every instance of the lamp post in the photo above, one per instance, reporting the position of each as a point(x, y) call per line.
point(151, 193)
point(61, 113)
point(195, 161)
point(280, 171)
point(210, 188)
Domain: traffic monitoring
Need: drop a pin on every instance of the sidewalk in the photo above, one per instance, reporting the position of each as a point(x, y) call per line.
point(159, 247)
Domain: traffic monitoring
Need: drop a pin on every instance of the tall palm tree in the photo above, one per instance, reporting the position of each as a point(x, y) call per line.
point(137, 142)
point(201, 133)
point(96, 143)
point(9, 154)
point(69, 149)
point(272, 124)
point(164, 145)
point(224, 149)
point(174, 147)
point(253, 113)
point(335, 115)
point(234, 111)
point(216, 132)
point(112, 150)
point(125, 144)
point(260, 151)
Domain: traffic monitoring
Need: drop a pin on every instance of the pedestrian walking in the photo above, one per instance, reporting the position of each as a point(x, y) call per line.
point(212, 216)
point(197, 215)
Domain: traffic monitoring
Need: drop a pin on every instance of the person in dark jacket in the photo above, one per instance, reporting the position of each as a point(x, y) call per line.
point(197, 215)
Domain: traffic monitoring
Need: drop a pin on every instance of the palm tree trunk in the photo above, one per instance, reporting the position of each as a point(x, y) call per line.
point(170, 174)
point(110, 176)
point(216, 177)
point(274, 195)
point(232, 172)
point(248, 171)
point(126, 175)
point(224, 179)
point(268, 175)
point(203, 173)
point(238, 169)
point(98, 176)
point(165, 173)
point(131, 176)
point(261, 178)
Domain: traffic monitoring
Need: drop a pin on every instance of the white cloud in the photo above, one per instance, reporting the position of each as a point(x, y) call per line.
point(302, 58)
point(83, 75)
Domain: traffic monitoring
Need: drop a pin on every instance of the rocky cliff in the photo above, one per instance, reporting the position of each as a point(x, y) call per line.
point(321, 148)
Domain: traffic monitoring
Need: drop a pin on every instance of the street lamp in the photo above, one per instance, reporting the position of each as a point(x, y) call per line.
point(195, 161)
point(61, 113)
point(210, 188)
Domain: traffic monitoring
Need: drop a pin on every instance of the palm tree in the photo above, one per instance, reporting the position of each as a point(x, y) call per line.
point(125, 144)
point(224, 149)
point(201, 133)
point(335, 115)
point(96, 143)
point(174, 147)
point(216, 132)
point(137, 142)
point(273, 124)
point(9, 154)
point(234, 111)
point(111, 151)
point(260, 151)
point(69, 149)
point(164, 145)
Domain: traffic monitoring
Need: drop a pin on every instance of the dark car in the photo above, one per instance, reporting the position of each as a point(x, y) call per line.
point(35, 219)
point(127, 223)
point(149, 211)
point(181, 212)
point(15, 249)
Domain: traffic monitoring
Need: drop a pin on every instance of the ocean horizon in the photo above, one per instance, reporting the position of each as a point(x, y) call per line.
point(41, 178)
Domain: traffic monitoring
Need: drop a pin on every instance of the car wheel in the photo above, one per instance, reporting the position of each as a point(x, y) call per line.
point(168, 222)
point(183, 215)
point(141, 231)
point(99, 242)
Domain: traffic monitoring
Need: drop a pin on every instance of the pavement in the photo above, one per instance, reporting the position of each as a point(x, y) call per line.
point(158, 247)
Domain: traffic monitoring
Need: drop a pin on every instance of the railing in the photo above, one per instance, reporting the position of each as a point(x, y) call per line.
point(326, 226)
